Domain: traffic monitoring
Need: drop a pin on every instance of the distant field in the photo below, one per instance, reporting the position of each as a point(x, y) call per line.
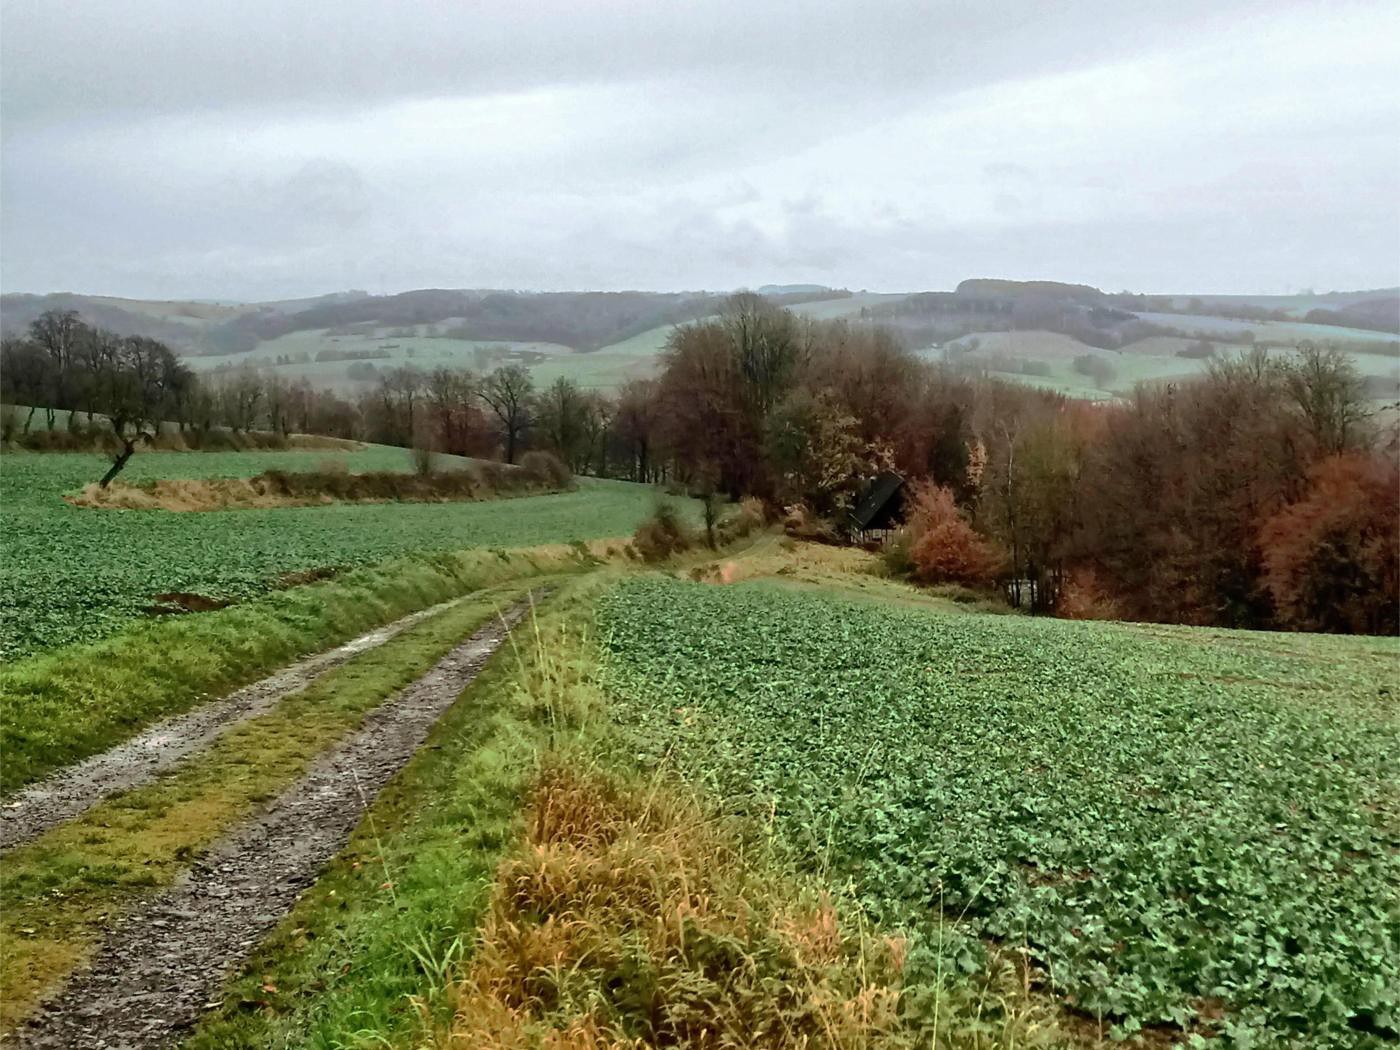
point(1043, 346)
point(420, 351)
point(608, 367)
point(69, 574)
point(1148, 360)
point(850, 306)
point(1181, 826)
point(1297, 305)
point(605, 368)
point(1289, 331)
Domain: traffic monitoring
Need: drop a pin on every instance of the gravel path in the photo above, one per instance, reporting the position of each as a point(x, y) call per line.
point(163, 962)
point(73, 790)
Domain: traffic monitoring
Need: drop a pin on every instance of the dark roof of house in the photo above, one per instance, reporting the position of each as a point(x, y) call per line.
point(874, 498)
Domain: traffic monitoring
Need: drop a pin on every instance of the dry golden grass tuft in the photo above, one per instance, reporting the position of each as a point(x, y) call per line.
point(633, 919)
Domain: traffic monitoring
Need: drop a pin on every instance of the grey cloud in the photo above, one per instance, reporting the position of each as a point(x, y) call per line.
point(262, 149)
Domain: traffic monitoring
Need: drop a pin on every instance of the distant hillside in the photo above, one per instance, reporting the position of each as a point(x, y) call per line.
point(581, 320)
point(1056, 333)
point(1379, 315)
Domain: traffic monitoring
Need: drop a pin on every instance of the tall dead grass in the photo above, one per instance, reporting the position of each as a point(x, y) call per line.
point(633, 919)
point(277, 488)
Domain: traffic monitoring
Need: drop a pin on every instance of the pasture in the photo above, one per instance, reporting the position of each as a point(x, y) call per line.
point(69, 574)
point(1266, 331)
point(427, 348)
point(1179, 827)
point(1048, 358)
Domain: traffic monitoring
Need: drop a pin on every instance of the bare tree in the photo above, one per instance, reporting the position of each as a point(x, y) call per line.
point(637, 423)
point(508, 392)
point(1325, 387)
point(140, 378)
point(58, 334)
point(450, 394)
point(562, 419)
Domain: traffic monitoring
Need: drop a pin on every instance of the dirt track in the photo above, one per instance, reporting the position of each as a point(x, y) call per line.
point(159, 968)
point(73, 790)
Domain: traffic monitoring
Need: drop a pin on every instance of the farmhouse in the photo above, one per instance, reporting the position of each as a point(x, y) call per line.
point(879, 508)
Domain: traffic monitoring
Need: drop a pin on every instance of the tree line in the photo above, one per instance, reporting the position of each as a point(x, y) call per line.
point(1262, 494)
point(131, 390)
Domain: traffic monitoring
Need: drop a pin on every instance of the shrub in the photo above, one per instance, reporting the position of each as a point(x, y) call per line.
point(1200, 350)
point(1096, 368)
point(545, 468)
point(801, 523)
point(1332, 559)
point(1082, 596)
point(661, 535)
point(956, 592)
point(944, 548)
point(897, 555)
point(493, 475)
point(745, 519)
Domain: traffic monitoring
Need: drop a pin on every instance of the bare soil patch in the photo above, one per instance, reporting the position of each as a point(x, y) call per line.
point(183, 602)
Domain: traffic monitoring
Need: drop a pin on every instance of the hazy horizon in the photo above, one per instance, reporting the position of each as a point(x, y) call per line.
point(231, 301)
point(161, 150)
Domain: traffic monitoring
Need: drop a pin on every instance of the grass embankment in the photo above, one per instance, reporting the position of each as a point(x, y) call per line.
point(281, 488)
point(63, 891)
point(61, 707)
point(612, 910)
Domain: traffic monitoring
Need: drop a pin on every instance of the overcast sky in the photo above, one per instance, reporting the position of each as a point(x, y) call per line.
point(266, 148)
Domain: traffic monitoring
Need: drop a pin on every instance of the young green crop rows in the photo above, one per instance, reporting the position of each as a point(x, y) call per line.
point(69, 574)
point(1179, 823)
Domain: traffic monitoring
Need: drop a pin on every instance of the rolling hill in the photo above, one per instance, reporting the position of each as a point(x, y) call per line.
point(1042, 332)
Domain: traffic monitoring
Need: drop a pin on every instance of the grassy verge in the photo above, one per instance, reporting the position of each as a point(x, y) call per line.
point(368, 953)
point(63, 706)
point(61, 892)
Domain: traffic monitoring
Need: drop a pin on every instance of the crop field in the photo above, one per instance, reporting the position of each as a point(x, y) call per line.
point(69, 574)
point(1182, 827)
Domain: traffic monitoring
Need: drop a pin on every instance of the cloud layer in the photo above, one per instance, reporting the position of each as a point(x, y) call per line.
point(267, 149)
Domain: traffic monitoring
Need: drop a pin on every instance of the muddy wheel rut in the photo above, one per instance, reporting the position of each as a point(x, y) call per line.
point(166, 959)
point(75, 789)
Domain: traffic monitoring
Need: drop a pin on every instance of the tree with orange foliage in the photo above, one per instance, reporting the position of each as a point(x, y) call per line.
point(943, 546)
point(1332, 559)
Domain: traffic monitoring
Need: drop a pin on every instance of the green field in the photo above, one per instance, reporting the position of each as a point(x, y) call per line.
point(1148, 360)
point(1268, 331)
point(603, 369)
point(1187, 827)
point(69, 574)
point(421, 350)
